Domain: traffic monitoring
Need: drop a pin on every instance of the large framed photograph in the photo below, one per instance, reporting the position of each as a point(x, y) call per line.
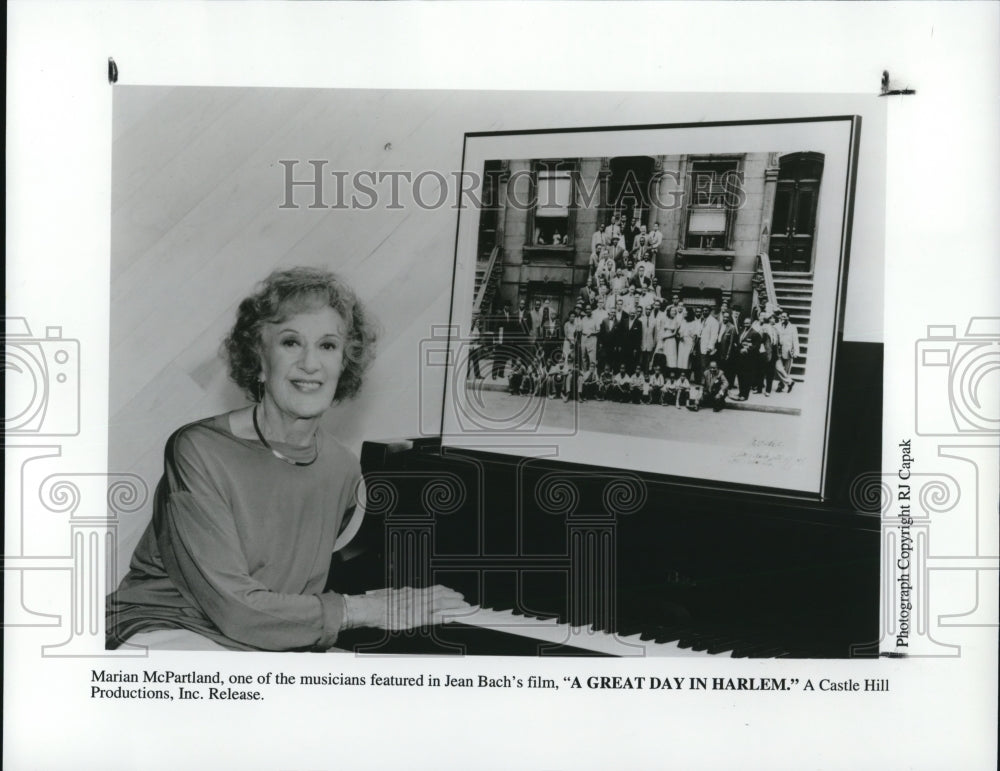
point(665, 299)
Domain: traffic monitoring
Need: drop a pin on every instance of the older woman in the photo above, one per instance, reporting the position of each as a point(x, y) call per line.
point(251, 502)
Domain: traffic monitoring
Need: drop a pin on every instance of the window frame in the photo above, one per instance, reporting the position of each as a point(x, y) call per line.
point(571, 166)
point(726, 249)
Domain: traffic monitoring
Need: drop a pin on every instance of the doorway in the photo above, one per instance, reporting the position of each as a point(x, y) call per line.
point(793, 222)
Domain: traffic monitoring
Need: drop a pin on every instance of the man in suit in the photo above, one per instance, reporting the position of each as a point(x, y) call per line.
point(650, 336)
point(648, 263)
point(658, 319)
point(654, 239)
point(617, 252)
point(601, 305)
point(732, 312)
point(630, 335)
point(769, 353)
point(715, 387)
point(536, 322)
point(726, 348)
point(709, 339)
point(522, 331)
point(639, 279)
point(747, 356)
point(607, 342)
point(605, 265)
point(640, 239)
point(631, 231)
point(597, 239)
point(589, 327)
point(503, 344)
point(788, 350)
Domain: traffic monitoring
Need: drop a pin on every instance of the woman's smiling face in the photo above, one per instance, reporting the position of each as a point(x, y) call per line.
point(301, 361)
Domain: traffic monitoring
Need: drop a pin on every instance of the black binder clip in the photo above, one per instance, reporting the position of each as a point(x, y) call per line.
point(112, 71)
point(889, 91)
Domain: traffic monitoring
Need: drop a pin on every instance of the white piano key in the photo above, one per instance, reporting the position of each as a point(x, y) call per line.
point(582, 637)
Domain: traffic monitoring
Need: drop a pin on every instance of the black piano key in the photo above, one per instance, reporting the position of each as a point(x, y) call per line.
point(668, 634)
point(672, 634)
point(652, 632)
point(773, 652)
point(689, 637)
point(721, 645)
point(702, 642)
point(761, 651)
point(746, 645)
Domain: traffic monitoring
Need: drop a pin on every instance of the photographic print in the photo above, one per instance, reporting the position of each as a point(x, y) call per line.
point(166, 159)
point(669, 305)
point(668, 314)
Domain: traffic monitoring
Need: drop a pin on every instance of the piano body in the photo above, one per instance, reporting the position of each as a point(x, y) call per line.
point(565, 559)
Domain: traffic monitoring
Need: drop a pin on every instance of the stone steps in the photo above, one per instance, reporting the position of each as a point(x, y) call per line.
point(794, 293)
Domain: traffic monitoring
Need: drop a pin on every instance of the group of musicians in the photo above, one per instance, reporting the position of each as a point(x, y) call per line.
point(638, 348)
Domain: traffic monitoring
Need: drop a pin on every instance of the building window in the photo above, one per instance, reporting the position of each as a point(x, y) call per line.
point(714, 194)
point(552, 223)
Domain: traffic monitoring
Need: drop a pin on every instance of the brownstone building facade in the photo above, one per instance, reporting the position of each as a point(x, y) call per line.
point(737, 228)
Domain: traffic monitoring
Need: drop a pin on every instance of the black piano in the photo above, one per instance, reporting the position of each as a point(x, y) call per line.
point(565, 560)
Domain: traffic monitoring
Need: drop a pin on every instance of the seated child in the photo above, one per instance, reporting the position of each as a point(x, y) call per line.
point(589, 383)
point(694, 397)
point(515, 378)
point(647, 389)
point(683, 387)
point(656, 383)
point(623, 385)
point(555, 379)
point(637, 382)
point(670, 389)
point(605, 388)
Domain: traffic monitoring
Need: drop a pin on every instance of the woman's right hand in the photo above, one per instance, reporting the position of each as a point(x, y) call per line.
point(406, 608)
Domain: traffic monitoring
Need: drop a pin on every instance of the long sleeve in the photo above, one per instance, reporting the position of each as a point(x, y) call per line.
point(204, 555)
point(709, 335)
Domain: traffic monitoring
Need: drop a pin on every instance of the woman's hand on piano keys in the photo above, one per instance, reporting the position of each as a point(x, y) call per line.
point(406, 608)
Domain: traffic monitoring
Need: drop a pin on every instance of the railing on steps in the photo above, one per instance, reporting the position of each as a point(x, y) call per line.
point(764, 268)
point(491, 274)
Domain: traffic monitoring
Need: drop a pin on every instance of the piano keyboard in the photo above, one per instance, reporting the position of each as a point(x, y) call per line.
point(580, 637)
point(500, 632)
